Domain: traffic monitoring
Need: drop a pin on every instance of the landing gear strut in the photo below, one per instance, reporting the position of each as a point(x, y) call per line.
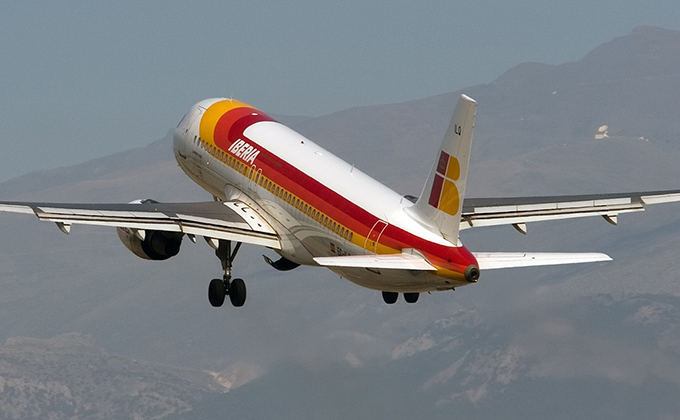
point(219, 289)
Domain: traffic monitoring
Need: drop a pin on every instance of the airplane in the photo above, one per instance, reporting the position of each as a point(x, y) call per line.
point(273, 187)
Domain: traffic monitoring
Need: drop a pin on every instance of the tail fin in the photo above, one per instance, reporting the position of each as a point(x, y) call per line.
point(441, 201)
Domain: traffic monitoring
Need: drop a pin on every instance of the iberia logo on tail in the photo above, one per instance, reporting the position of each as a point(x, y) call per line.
point(444, 194)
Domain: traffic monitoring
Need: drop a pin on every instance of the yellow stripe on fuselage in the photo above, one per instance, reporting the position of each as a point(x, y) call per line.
point(209, 121)
point(213, 114)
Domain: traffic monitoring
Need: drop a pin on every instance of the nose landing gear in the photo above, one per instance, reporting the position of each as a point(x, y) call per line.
point(218, 289)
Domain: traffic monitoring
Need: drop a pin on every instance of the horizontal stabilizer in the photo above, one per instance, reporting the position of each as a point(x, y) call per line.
point(494, 260)
point(384, 261)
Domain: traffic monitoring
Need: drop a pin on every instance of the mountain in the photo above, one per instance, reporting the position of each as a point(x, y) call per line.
point(599, 358)
point(536, 118)
point(68, 377)
point(590, 341)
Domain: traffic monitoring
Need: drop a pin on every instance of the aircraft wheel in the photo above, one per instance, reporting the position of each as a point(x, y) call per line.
point(216, 292)
point(390, 297)
point(237, 292)
point(411, 297)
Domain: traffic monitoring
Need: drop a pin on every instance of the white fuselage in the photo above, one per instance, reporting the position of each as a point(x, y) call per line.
point(303, 235)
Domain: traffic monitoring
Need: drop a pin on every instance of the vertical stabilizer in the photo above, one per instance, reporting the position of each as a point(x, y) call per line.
point(441, 201)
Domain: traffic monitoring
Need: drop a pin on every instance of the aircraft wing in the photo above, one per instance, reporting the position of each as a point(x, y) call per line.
point(230, 220)
point(519, 211)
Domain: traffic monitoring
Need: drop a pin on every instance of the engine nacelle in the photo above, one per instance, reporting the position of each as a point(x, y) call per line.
point(150, 244)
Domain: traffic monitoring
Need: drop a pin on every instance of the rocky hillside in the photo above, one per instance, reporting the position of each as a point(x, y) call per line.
point(67, 377)
point(598, 358)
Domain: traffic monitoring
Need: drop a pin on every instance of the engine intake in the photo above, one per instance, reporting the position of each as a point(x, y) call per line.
point(150, 244)
point(156, 245)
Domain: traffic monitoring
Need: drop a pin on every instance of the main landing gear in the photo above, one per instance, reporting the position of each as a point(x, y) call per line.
point(391, 297)
point(218, 289)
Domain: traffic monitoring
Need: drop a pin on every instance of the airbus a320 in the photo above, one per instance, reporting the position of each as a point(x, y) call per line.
point(275, 188)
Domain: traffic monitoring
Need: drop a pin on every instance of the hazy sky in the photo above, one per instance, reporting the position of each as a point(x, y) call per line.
point(84, 79)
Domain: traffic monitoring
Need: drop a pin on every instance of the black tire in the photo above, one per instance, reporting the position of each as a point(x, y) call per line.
point(237, 292)
point(216, 292)
point(411, 297)
point(390, 297)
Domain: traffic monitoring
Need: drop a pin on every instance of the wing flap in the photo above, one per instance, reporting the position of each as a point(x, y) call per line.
point(382, 261)
point(219, 220)
point(669, 197)
point(495, 260)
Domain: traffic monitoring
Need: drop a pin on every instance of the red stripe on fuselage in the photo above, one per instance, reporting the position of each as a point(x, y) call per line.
point(231, 127)
point(232, 124)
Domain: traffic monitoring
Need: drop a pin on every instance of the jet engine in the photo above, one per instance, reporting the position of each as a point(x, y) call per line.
point(150, 244)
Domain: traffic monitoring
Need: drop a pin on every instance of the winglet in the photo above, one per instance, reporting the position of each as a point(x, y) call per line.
point(441, 201)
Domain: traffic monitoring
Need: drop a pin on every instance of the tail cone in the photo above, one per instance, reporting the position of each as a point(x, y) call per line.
point(472, 273)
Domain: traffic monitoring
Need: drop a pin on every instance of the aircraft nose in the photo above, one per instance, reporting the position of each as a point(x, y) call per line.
point(184, 131)
point(178, 138)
